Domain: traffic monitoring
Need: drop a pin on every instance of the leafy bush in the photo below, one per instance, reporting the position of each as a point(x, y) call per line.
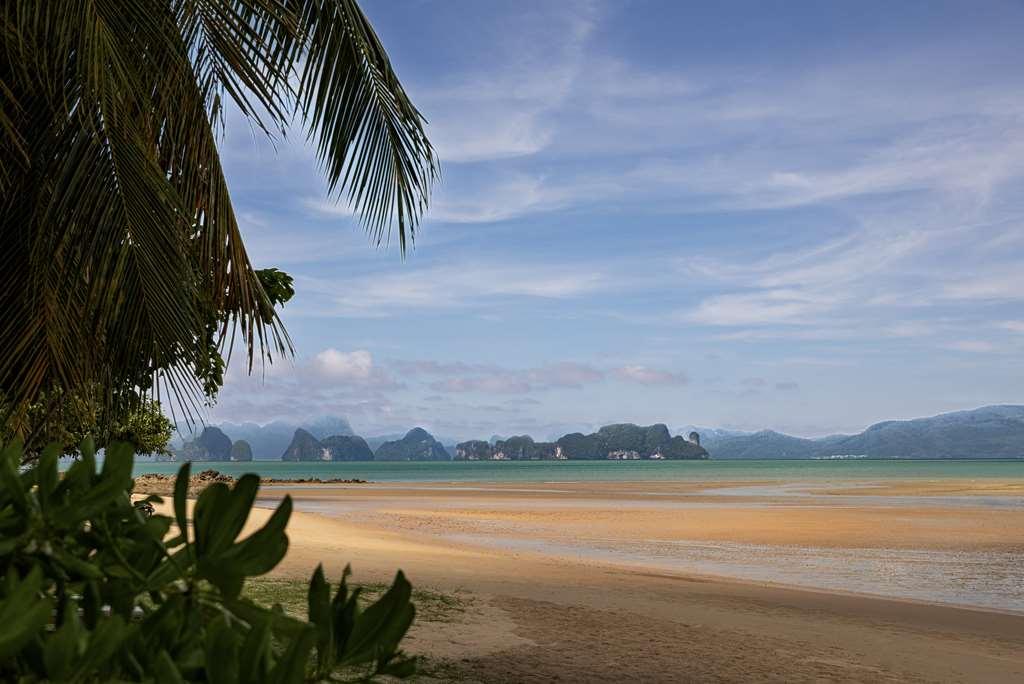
point(92, 589)
point(67, 418)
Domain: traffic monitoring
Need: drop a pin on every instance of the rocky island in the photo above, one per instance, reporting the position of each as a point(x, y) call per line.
point(417, 445)
point(621, 441)
point(211, 445)
point(306, 447)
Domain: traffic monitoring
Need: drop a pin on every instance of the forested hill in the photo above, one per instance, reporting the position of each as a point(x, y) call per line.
point(986, 432)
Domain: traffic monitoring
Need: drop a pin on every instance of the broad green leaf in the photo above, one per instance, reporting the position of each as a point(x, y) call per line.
point(87, 449)
point(344, 611)
point(222, 651)
point(291, 666)
point(80, 475)
point(92, 604)
point(77, 566)
point(114, 481)
point(108, 636)
point(318, 603)
point(210, 503)
point(230, 513)
point(23, 614)
point(46, 474)
point(400, 666)
point(166, 670)
point(181, 502)
point(255, 665)
point(173, 568)
point(118, 461)
point(378, 630)
point(261, 551)
point(63, 648)
point(252, 613)
point(10, 483)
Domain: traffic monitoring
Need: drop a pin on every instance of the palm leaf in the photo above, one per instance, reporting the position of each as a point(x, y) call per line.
point(120, 243)
point(370, 138)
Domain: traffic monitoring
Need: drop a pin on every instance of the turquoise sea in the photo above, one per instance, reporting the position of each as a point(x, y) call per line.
point(622, 471)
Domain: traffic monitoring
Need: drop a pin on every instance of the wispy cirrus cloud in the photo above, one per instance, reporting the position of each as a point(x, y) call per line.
point(449, 286)
point(840, 205)
point(645, 375)
point(495, 379)
point(971, 346)
point(505, 110)
point(1003, 285)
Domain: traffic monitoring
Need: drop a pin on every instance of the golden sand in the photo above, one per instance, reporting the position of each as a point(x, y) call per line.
point(538, 617)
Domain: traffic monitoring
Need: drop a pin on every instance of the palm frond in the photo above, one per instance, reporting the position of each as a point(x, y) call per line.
point(120, 243)
point(370, 138)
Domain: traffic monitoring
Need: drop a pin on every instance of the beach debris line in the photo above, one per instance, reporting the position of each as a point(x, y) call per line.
point(158, 483)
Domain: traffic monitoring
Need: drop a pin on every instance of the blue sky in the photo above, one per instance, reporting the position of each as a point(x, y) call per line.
point(803, 216)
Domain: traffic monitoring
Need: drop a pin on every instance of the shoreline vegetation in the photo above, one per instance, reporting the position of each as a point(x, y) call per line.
point(101, 587)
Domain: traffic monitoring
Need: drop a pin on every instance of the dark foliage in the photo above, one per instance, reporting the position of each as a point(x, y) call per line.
point(67, 418)
point(116, 221)
point(93, 588)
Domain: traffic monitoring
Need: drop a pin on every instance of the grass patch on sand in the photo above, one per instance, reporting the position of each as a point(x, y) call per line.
point(431, 606)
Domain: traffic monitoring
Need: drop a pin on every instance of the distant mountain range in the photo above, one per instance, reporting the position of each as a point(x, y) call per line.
point(623, 441)
point(268, 442)
point(986, 432)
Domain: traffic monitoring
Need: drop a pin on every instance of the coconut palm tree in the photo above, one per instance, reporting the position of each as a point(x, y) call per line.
point(121, 261)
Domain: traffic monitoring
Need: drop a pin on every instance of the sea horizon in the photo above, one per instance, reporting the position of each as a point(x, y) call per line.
point(607, 470)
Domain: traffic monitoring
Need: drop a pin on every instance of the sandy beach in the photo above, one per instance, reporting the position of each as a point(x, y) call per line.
point(550, 599)
point(670, 582)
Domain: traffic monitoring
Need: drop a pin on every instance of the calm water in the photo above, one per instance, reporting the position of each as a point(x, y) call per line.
point(625, 471)
point(986, 579)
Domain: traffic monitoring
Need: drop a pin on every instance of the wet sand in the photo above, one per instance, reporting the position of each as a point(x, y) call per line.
point(563, 584)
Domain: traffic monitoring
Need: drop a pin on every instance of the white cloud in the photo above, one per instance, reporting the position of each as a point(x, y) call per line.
point(503, 110)
point(507, 197)
point(779, 306)
point(1000, 286)
point(498, 380)
point(451, 286)
point(908, 329)
point(338, 365)
point(332, 381)
point(335, 207)
point(494, 379)
point(644, 375)
point(491, 132)
point(971, 346)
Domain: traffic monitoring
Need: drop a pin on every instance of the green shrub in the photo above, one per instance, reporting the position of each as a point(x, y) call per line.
point(92, 589)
